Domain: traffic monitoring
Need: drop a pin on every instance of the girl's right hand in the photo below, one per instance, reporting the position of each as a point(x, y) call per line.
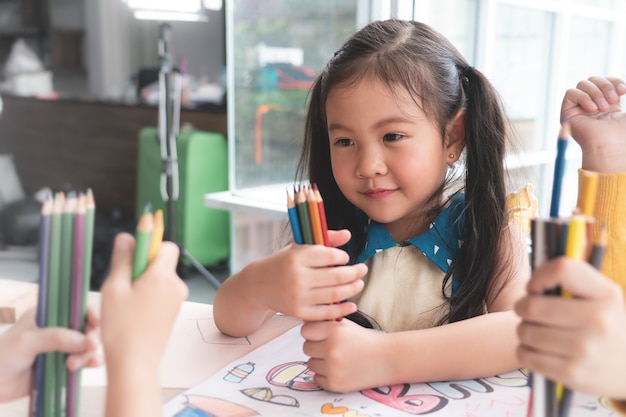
point(308, 281)
point(598, 123)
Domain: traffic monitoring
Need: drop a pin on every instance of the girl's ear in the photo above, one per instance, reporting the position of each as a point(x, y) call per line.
point(455, 137)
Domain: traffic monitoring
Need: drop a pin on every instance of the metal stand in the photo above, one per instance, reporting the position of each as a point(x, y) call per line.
point(170, 87)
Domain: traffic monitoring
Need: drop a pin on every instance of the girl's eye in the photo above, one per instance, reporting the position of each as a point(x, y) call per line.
point(392, 137)
point(344, 142)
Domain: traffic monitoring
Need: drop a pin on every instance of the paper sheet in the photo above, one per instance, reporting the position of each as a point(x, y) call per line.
point(273, 380)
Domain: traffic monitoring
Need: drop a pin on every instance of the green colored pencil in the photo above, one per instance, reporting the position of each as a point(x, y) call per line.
point(51, 394)
point(143, 236)
point(65, 285)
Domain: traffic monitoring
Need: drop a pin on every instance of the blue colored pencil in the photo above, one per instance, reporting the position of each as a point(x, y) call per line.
point(559, 168)
point(292, 211)
point(44, 238)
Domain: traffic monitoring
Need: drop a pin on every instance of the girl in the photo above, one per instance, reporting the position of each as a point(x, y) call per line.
point(390, 115)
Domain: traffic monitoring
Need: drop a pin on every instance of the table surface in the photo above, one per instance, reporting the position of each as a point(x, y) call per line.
point(196, 350)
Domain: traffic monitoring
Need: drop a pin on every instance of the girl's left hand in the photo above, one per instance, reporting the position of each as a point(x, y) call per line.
point(21, 344)
point(344, 356)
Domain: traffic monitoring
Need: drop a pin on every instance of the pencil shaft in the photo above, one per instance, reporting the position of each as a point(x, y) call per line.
point(157, 235)
point(559, 168)
point(36, 403)
point(142, 243)
point(314, 216)
point(303, 216)
point(295, 225)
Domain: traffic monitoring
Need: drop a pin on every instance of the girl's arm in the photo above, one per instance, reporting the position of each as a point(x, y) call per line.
point(137, 318)
point(302, 281)
point(346, 357)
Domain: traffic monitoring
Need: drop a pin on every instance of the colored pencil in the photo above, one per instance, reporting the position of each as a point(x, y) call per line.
point(314, 217)
point(559, 167)
point(36, 403)
point(303, 215)
point(51, 393)
point(90, 219)
point(65, 283)
point(157, 235)
point(293, 220)
point(322, 212)
point(587, 192)
point(143, 234)
point(76, 297)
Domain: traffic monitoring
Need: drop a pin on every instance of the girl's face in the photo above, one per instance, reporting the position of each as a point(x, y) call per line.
point(387, 157)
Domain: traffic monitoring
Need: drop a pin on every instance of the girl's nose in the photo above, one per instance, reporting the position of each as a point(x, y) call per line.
point(370, 163)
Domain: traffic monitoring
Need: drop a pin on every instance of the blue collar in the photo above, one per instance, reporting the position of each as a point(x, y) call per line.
point(440, 243)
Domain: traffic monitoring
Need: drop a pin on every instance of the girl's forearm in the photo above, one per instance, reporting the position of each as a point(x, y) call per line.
point(474, 348)
point(133, 390)
point(235, 310)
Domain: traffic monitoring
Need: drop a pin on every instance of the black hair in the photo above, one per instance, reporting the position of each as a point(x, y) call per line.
point(412, 56)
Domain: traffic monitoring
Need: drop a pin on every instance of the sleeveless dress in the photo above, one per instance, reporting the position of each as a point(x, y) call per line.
point(404, 284)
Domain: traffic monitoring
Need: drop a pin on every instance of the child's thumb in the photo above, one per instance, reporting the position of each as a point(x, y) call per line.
point(122, 257)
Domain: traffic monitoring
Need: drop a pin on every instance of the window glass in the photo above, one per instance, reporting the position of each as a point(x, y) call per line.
point(459, 26)
point(278, 48)
point(520, 68)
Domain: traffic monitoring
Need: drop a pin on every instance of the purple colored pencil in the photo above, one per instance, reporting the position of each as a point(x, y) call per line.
point(36, 404)
point(76, 298)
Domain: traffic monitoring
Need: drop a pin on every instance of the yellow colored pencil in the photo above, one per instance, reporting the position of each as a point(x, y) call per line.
point(157, 235)
point(143, 235)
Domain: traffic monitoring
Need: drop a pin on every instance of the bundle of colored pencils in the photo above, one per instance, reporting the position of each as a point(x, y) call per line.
point(65, 252)
point(148, 238)
point(307, 215)
point(577, 237)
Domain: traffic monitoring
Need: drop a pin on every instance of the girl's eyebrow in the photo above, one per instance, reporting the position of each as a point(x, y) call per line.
point(381, 123)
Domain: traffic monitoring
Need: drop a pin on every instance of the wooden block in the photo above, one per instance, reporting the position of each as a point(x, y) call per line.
point(15, 298)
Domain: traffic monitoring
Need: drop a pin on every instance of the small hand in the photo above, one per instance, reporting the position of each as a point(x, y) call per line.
point(137, 317)
point(580, 341)
point(598, 123)
point(20, 345)
point(345, 357)
point(309, 281)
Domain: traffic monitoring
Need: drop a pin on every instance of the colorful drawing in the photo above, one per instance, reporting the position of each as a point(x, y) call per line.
point(201, 406)
point(266, 394)
point(274, 381)
point(295, 375)
point(239, 372)
point(395, 396)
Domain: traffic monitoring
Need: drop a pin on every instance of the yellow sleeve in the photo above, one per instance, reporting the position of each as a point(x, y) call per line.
point(521, 206)
point(611, 209)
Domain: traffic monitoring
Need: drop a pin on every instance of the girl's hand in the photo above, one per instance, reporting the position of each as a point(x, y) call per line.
point(137, 317)
point(344, 356)
point(598, 123)
point(308, 281)
point(20, 345)
point(580, 341)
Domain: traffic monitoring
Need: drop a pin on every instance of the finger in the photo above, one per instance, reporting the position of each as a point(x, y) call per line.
point(553, 340)
point(574, 100)
point(578, 278)
point(167, 257)
point(546, 364)
point(55, 338)
point(620, 85)
point(601, 90)
point(609, 87)
point(318, 256)
point(121, 260)
point(338, 237)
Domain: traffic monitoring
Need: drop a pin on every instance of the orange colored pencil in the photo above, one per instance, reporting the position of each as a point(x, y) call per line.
point(322, 214)
point(316, 225)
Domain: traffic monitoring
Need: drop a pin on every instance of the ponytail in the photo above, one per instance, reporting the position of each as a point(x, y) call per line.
point(485, 132)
